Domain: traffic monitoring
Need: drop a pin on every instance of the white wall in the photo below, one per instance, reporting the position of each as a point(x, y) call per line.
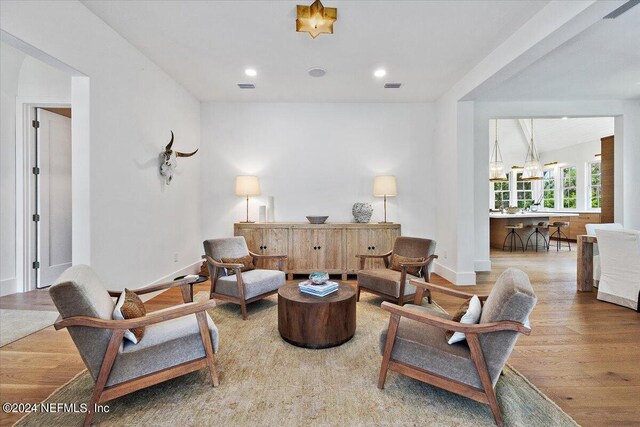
point(627, 154)
point(318, 159)
point(137, 224)
point(22, 76)
point(40, 80)
point(463, 222)
point(10, 63)
point(513, 145)
point(578, 155)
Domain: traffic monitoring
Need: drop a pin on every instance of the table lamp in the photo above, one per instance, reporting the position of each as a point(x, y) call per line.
point(246, 186)
point(384, 186)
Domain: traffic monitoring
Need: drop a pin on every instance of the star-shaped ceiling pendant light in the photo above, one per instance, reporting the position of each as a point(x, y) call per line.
point(316, 19)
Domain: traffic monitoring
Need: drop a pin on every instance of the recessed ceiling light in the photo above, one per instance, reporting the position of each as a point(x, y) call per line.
point(251, 72)
point(380, 72)
point(317, 72)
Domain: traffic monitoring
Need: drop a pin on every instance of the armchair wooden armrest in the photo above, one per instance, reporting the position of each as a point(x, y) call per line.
point(419, 263)
point(429, 287)
point(259, 256)
point(224, 264)
point(149, 319)
point(374, 255)
point(280, 258)
point(153, 288)
point(483, 328)
point(363, 258)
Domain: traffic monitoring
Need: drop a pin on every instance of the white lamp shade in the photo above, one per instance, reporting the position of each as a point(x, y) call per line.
point(247, 185)
point(385, 186)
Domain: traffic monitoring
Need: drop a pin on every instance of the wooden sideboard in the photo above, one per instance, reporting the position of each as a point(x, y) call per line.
point(328, 247)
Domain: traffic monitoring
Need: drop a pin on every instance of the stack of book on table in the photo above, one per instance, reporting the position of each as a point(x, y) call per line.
point(308, 287)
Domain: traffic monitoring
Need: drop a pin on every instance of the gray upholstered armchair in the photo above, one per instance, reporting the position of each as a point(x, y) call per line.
point(240, 287)
point(415, 343)
point(390, 283)
point(177, 340)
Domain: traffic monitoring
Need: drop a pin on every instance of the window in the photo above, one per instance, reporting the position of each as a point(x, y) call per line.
point(594, 184)
point(549, 188)
point(501, 194)
point(569, 187)
point(523, 192)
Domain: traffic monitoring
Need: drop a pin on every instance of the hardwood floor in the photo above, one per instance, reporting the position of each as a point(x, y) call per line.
point(582, 353)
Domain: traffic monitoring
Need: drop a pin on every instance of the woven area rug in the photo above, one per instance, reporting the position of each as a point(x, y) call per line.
point(16, 324)
point(265, 381)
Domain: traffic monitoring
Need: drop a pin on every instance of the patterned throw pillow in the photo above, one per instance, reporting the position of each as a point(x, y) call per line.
point(468, 313)
point(396, 260)
point(130, 306)
point(246, 261)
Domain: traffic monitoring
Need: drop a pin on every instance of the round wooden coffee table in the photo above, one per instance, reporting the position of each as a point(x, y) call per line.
point(316, 322)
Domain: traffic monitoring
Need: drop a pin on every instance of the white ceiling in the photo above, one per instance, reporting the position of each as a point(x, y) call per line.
point(425, 45)
point(549, 134)
point(603, 62)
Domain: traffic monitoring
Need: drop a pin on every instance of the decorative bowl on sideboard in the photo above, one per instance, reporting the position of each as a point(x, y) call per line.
point(317, 219)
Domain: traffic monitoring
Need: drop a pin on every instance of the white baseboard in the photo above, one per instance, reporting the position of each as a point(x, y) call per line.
point(193, 268)
point(8, 286)
point(466, 278)
point(482, 265)
point(457, 278)
point(443, 271)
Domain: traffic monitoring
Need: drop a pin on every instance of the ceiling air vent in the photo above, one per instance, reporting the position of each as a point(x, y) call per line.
point(246, 86)
point(392, 85)
point(622, 9)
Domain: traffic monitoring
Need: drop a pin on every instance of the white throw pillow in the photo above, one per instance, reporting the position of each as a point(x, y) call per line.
point(471, 317)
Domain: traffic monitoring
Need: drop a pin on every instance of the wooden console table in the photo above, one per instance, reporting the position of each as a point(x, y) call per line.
point(585, 262)
point(330, 247)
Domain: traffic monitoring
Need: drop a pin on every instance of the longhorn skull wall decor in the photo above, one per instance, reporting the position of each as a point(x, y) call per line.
point(169, 160)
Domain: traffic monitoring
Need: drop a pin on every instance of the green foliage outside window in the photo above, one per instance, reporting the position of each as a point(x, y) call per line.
point(524, 192)
point(501, 193)
point(569, 189)
point(596, 185)
point(549, 189)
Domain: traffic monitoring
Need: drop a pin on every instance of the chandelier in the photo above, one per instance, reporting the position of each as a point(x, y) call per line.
point(315, 19)
point(496, 166)
point(532, 167)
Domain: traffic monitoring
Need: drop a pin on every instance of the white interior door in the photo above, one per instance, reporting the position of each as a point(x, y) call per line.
point(54, 196)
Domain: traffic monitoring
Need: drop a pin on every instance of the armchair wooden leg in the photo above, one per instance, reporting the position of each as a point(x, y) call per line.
point(103, 376)
point(357, 293)
point(495, 409)
point(485, 379)
point(187, 292)
point(208, 347)
point(243, 308)
point(417, 298)
point(388, 348)
point(401, 300)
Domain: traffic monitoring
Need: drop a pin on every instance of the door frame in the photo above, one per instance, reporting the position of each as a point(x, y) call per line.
point(80, 102)
point(25, 140)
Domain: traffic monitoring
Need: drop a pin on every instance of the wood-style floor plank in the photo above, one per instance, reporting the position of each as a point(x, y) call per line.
point(582, 353)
